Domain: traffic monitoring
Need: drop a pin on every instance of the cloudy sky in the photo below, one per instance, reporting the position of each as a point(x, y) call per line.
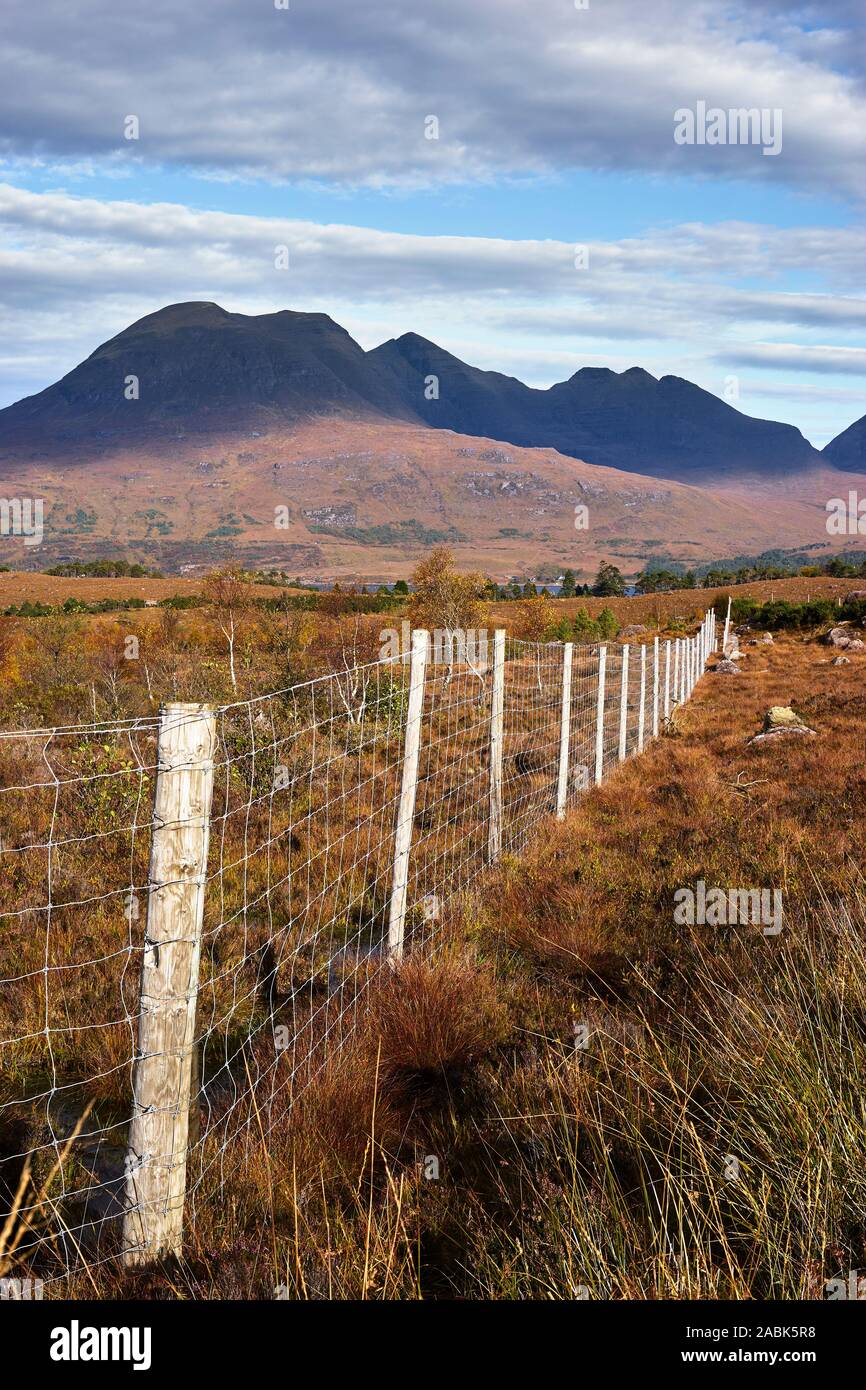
point(499, 175)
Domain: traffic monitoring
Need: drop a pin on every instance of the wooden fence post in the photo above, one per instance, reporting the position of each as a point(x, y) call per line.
point(408, 788)
point(623, 703)
point(667, 703)
point(655, 687)
point(725, 634)
point(641, 714)
point(676, 685)
point(159, 1131)
point(497, 708)
point(564, 731)
point(599, 716)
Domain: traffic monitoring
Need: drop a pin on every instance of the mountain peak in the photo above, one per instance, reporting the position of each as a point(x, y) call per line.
point(198, 367)
point(201, 368)
point(187, 313)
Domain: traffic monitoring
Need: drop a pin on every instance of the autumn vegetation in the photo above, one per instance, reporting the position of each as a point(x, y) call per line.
point(574, 1097)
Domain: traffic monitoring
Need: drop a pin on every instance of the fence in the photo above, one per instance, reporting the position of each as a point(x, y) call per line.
point(194, 907)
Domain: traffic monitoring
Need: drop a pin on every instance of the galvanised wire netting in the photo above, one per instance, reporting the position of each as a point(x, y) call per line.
point(297, 893)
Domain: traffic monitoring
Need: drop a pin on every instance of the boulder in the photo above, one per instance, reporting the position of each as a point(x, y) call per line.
point(792, 731)
point(727, 668)
point(632, 630)
point(856, 596)
point(780, 717)
point(780, 721)
point(842, 637)
point(766, 638)
point(841, 661)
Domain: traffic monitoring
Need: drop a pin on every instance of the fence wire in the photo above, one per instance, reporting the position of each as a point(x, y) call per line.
point(307, 784)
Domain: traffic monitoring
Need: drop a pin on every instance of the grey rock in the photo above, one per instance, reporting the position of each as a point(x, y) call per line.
point(783, 732)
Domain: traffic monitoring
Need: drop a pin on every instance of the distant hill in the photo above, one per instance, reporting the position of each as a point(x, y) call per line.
point(201, 369)
point(848, 449)
point(371, 457)
point(667, 428)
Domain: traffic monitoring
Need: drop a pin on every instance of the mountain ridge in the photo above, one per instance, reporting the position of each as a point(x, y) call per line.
point(197, 368)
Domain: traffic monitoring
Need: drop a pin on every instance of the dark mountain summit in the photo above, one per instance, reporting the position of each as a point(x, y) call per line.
point(198, 367)
point(195, 368)
point(630, 420)
point(848, 449)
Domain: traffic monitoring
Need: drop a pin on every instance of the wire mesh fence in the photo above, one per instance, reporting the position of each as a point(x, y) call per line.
point(176, 964)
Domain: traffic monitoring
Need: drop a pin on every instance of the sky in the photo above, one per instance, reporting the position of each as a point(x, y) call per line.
point(514, 179)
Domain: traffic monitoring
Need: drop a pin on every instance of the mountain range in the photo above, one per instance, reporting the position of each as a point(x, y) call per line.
point(243, 399)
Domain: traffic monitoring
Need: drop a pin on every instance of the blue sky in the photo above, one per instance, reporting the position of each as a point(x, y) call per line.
point(309, 127)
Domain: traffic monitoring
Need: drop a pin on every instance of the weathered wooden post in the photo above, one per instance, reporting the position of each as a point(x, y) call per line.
point(641, 714)
point(727, 627)
point(655, 687)
point(667, 704)
point(408, 788)
point(623, 703)
point(564, 731)
point(599, 716)
point(497, 709)
point(159, 1132)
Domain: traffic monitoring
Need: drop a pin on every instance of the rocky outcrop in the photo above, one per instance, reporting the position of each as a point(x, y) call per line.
point(844, 638)
point(781, 722)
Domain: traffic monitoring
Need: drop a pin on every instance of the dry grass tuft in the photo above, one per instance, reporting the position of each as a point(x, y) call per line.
point(434, 1018)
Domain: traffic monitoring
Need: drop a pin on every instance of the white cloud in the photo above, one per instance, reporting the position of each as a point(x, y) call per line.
point(329, 90)
point(799, 358)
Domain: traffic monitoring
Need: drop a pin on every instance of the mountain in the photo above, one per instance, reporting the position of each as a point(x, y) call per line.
point(277, 440)
point(200, 368)
point(848, 449)
point(366, 498)
point(664, 428)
